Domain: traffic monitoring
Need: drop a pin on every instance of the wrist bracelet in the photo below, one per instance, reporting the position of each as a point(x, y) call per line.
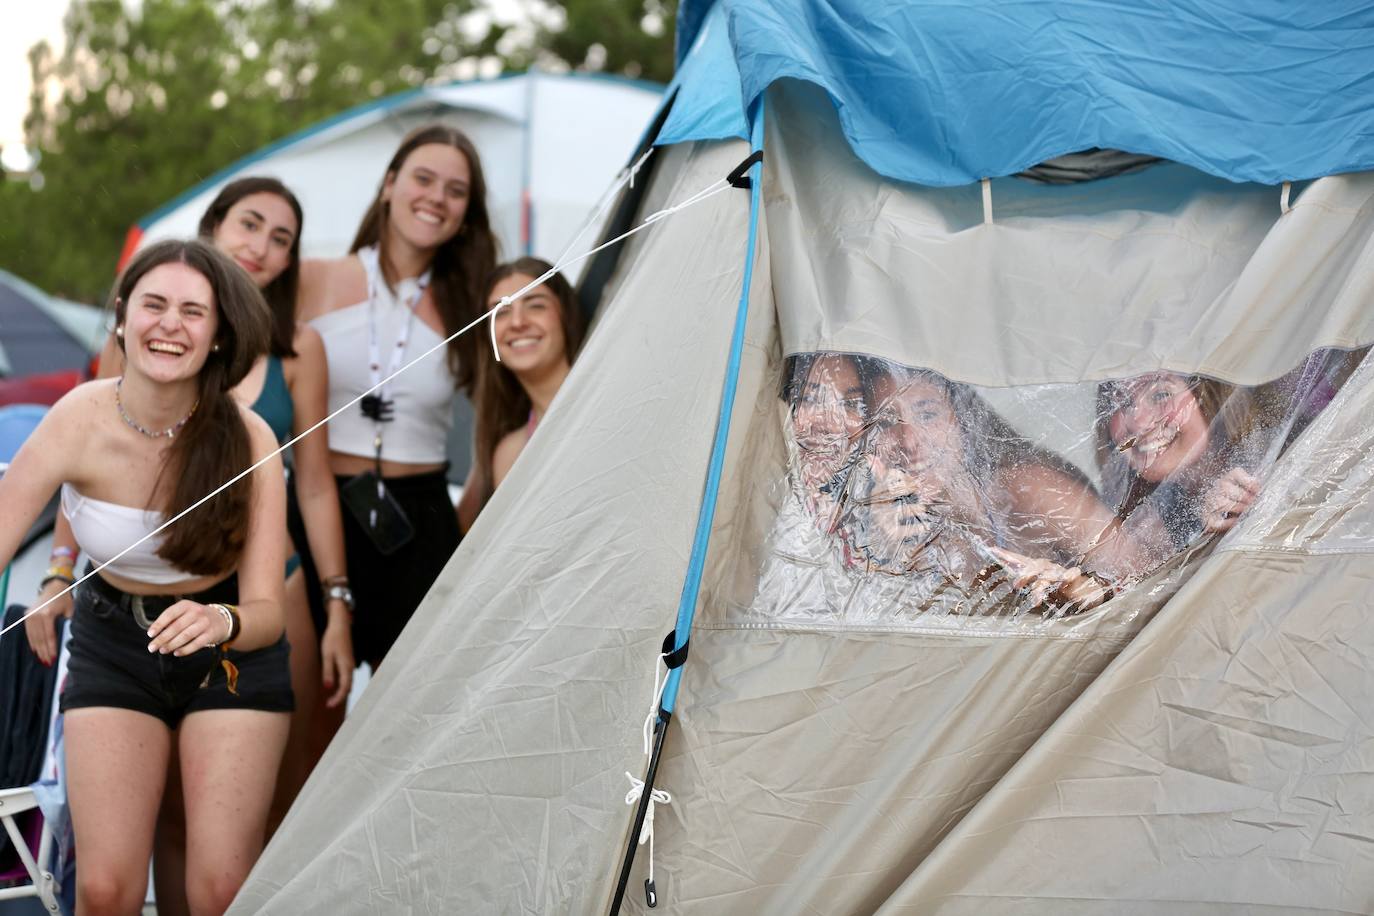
point(55, 577)
point(228, 622)
point(231, 619)
point(63, 551)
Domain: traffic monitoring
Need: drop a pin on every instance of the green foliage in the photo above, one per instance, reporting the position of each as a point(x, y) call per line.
point(155, 100)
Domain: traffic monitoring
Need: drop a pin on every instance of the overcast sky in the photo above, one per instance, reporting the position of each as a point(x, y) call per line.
point(26, 24)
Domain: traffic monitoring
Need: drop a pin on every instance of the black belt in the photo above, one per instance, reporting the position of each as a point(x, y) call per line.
point(147, 608)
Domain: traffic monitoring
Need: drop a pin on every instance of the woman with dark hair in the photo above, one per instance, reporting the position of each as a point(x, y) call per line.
point(257, 222)
point(949, 491)
point(1172, 450)
point(151, 656)
point(539, 336)
point(413, 278)
point(803, 572)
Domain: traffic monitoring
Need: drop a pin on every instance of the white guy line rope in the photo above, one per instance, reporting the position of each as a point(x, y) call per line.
point(626, 175)
point(708, 191)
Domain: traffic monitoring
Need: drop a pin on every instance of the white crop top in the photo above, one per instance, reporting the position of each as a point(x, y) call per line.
point(422, 395)
point(104, 529)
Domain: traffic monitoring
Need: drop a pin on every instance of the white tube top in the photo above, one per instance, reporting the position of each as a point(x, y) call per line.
point(422, 395)
point(104, 529)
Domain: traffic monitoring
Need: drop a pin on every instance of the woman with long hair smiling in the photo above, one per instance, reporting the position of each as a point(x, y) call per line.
point(151, 656)
point(257, 222)
point(538, 336)
point(412, 278)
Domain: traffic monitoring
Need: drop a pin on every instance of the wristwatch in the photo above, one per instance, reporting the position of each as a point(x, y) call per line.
point(341, 592)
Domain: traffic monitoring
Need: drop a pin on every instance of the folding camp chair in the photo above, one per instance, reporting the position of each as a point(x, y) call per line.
point(42, 883)
point(22, 830)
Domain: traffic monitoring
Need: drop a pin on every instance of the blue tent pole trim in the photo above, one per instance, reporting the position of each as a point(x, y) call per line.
point(691, 586)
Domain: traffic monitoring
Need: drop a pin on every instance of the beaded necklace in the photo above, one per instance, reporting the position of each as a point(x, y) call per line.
point(168, 433)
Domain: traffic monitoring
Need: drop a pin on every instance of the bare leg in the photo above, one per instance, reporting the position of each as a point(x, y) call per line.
point(116, 766)
point(229, 760)
point(305, 683)
point(169, 845)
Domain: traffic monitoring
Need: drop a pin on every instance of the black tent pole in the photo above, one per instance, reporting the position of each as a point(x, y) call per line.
point(660, 731)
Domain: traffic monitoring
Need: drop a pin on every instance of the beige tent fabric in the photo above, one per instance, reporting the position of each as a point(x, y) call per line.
point(1220, 765)
point(826, 770)
point(1223, 764)
point(1174, 270)
point(483, 770)
point(1200, 744)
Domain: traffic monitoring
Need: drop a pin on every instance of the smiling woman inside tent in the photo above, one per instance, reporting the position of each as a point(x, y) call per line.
point(413, 277)
point(910, 497)
point(828, 412)
point(151, 656)
point(1172, 450)
point(538, 336)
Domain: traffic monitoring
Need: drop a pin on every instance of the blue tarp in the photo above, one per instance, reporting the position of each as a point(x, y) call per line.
point(946, 93)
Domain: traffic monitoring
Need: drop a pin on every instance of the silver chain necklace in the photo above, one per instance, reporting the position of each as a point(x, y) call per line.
point(167, 433)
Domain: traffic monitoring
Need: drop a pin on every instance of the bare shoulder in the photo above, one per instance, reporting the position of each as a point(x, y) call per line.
point(504, 455)
point(85, 401)
point(325, 285)
point(308, 343)
point(262, 441)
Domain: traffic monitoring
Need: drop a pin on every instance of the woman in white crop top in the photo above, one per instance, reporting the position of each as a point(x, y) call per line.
point(413, 277)
point(150, 656)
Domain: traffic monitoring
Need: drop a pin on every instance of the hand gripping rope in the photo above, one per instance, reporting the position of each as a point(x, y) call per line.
point(674, 650)
point(626, 176)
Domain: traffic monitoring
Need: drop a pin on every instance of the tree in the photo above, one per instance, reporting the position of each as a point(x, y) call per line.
point(155, 100)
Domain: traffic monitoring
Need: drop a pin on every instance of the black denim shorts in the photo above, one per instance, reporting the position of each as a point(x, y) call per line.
point(111, 666)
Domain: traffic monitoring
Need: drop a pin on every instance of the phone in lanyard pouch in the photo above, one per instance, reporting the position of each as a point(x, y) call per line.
point(378, 512)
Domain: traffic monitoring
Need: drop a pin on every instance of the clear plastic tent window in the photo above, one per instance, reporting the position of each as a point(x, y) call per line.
point(913, 501)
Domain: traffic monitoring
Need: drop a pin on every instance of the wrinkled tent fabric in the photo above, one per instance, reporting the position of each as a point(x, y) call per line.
point(1198, 744)
point(486, 771)
point(948, 93)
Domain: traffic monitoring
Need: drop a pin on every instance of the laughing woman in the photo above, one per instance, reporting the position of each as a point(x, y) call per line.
point(150, 656)
point(538, 336)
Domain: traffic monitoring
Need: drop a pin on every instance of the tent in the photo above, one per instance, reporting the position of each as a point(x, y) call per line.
point(549, 143)
point(46, 343)
point(1201, 742)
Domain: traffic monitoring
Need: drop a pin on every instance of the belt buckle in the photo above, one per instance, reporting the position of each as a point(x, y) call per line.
point(136, 605)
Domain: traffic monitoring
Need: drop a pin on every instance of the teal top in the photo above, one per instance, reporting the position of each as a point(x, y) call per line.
point(274, 401)
point(274, 405)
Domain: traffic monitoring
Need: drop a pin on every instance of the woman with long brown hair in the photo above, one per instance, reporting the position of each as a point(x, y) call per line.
point(179, 638)
point(413, 278)
point(539, 336)
point(257, 221)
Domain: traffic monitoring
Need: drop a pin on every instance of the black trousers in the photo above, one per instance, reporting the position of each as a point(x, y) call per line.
point(388, 588)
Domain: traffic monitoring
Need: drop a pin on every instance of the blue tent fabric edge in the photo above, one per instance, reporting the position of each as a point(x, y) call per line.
point(949, 93)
